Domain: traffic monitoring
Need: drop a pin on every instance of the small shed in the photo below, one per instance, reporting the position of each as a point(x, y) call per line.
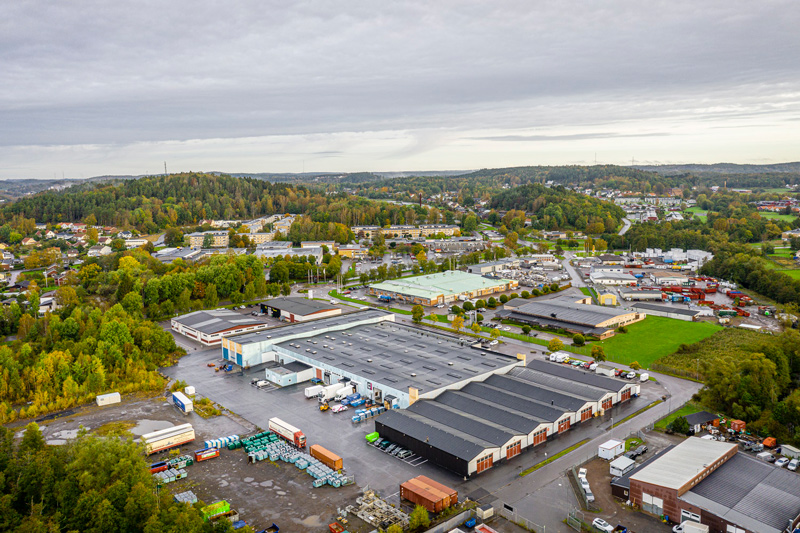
point(621, 466)
point(605, 370)
point(610, 449)
point(738, 425)
point(108, 399)
point(790, 451)
point(703, 418)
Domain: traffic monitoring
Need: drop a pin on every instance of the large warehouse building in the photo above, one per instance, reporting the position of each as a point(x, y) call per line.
point(390, 363)
point(209, 327)
point(471, 429)
point(707, 481)
point(441, 288)
point(296, 309)
point(592, 320)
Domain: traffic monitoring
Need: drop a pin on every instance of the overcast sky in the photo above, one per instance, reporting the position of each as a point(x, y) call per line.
point(92, 88)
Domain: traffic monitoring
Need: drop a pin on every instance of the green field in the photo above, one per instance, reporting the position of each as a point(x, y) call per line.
point(654, 337)
point(778, 216)
point(699, 212)
point(688, 409)
point(794, 274)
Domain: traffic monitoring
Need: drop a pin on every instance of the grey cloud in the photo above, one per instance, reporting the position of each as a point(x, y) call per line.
point(571, 137)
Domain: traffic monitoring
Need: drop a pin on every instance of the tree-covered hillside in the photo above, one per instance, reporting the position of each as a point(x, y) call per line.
point(556, 207)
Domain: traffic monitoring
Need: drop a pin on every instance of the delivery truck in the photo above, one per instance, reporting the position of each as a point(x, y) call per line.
point(343, 393)
point(182, 402)
point(313, 391)
point(164, 439)
point(287, 432)
point(328, 392)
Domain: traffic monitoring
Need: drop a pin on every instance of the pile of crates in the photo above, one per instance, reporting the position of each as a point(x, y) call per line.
point(186, 497)
point(257, 442)
point(224, 441)
point(280, 450)
point(364, 414)
point(170, 475)
point(180, 462)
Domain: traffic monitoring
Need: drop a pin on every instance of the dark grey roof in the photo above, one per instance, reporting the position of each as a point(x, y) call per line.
point(296, 366)
point(702, 417)
point(210, 322)
point(574, 374)
point(299, 306)
point(511, 314)
point(536, 392)
point(514, 401)
point(461, 421)
point(564, 311)
point(666, 309)
point(425, 430)
point(749, 493)
point(513, 420)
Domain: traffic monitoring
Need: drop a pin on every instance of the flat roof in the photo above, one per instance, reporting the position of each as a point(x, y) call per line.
point(210, 322)
point(750, 493)
point(578, 379)
point(565, 311)
point(614, 275)
point(443, 283)
point(622, 462)
point(683, 463)
point(610, 444)
point(666, 309)
point(299, 306)
point(299, 328)
point(700, 418)
point(397, 355)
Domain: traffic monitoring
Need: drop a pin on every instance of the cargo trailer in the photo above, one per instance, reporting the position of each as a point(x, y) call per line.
point(164, 439)
point(182, 402)
point(329, 392)
point(313, 391)
point(419, 493)
point(343, 393)
point(326, 457)
point(108, 399)
point(287, 432)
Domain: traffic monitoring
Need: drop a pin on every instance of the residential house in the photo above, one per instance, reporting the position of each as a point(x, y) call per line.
point(50, 234)
point(28, 241)
point(99, 251)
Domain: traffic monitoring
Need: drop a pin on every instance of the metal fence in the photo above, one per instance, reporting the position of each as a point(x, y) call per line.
point(575, 520)
point(512, 516)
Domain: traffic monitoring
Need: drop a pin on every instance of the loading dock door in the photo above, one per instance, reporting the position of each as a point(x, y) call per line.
point(607, 403)
point(539, 437)
point(563, 425)
point(626, 394)
point(514, 449)
point(586, 414)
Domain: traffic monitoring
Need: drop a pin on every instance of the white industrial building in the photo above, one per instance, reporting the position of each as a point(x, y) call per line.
point(209, 327)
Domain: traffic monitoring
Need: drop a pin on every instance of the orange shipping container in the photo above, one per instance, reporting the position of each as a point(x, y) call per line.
point(421, 494)
point(328, 458)
point(444, 488)
point(738, 425)
point(770, 442)
point(433, 492)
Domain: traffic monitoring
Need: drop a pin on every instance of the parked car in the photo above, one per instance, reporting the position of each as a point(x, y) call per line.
point(783, 461)
point(339, 408)
point(641, 450)
point(585, 485)
point(404, 454)
point(602, 525)
point(589, 496)
point(793, 465)
point(493, 343)
point(582, 473)
point(630, 375)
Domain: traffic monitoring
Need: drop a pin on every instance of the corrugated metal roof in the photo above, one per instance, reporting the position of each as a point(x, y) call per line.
point(683, 463)
point(210, 322)
point(574, 374)
point(444, 283)
point(425, 430)
point(463, 422)
point(703, 417)
point(514, 401)
point(587, 315)
point(666, 309)
point(538, 393)
point(514, 420)
point(749, 493)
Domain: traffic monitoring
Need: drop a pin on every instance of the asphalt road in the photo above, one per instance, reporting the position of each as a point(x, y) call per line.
point(626, 225)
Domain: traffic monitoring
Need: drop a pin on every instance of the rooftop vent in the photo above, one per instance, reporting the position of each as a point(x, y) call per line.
point(413, 375)
point(369, 360)
point(450, 363)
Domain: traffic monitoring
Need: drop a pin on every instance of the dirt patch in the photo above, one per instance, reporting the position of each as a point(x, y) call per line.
point(116, 429)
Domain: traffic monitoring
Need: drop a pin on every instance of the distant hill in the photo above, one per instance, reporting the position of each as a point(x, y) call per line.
point(722, 168)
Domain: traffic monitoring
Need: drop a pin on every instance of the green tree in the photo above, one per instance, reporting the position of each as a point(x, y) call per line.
point(133, 304)
point(555, 345)
point(480, 304)
point(286, 289)
point(680, 426)
point(417, 312)
point(598, 353)
point(578, 339)
point(526, 329)
point(475, 327)
point(418, 518)
point(479, 318)
point(211, 299)
point(494, 334)
point(503, 299)
point(492, 303)
point(33, 303)
point(468, 306)
point(173, 237)
point(526, 294)
point(236, 297)
point(249, 292)
point(458, 323)
point(635, 365)
point(394, 528)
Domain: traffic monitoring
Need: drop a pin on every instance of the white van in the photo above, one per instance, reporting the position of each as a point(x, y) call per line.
point(644, 377)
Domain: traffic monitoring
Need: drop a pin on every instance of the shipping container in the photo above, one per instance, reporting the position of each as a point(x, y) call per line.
point(108, 399)
point(189, 390)
point(182, 402)
point(287, 432)
point(215, 509)
point(206, 454)
point(453, 493)
point(164, 439)
point(326, 457)
point(422, 494)
point(158, 467)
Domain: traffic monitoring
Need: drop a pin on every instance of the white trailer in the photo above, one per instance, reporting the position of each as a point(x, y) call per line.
point(610, 449)
point(108, 399)
point(329, 392)
point(605, 370)
point(343, 393)
point(313, 391)
point(165, 439)
point(790, 451)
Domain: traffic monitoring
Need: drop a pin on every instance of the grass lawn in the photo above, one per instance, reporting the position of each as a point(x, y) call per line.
point(699, 212)
point(783, 252)
point(794, 274)
point(654, 337)
point(778, 216)
point(688, 409)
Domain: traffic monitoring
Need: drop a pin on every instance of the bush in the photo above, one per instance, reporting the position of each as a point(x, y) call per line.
point(503, 299)
point(555, 345)
point(680, 425)
point(418, 518)
point(178, 385)
point(479, 317)
point(513, 295)
point(492, 303)
point(622, 329)
point(526, 330)
point(526, 294)
point(554, 287)
point(537, 292)
point(635, 365)
point(578, 339)
point(468, 306)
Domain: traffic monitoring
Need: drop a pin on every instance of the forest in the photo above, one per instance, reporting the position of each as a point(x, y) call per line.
point(559, 208)
point(93, 484)
point(749, 376)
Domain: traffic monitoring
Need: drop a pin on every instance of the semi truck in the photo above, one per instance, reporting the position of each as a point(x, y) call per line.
point(329, 392)
point(182, 402)
point(287, 432)
point(164, 439)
